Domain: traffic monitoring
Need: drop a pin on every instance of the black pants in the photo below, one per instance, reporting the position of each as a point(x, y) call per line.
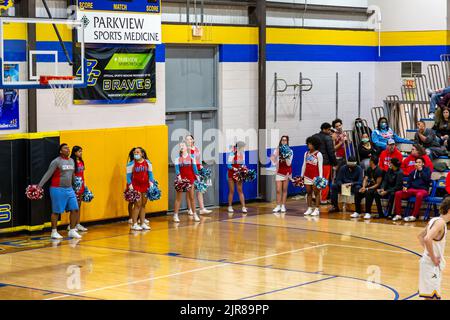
point(370, 195)
point(391, 198)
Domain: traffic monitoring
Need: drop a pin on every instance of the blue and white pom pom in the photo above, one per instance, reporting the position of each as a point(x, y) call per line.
point(154, 193)
point(205, 173)
point(250, 175)
point(87, 195)
point(200, 186)
point(320, 182)
point(77, 184)
point(285, 152)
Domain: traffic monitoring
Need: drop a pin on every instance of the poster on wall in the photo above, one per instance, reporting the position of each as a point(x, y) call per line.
point(9, 100)
point(119, 75)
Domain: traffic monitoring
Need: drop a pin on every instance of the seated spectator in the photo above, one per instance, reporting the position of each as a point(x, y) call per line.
point(348, 174)
point(392, 182)
point(371, 183)
point(425, 137)
point(383, 133)
point(365, 151)
point(442, 128)
point(409, 164)
point(387, 155)
point(417, 185)
point(439, 97)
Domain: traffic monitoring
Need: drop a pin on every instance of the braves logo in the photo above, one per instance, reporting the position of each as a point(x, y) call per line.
point(92, 73)
point(6, 4)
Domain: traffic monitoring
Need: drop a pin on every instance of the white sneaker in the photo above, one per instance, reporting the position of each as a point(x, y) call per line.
point(315, 213)
point(430, 92)
point(308, 212)
point(136, 227)
point(146, 221)
point(410, 219)
point(244, 210)
point(196, 217)
point(74, 234)
point(205, 211)
point(145, 227)
point(277, 209)
point(355, 215)
point(56, 235)
point(130, 221)
point(283, 209)
point(190, 212)
point(81, 228)
point(230, 209)
point(367, 216)
point(431, 115)
point(175, 218)
point(396, 218)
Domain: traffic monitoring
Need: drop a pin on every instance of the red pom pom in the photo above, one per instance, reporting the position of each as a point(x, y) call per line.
point(132, 195)
point(182, 185)
point(240, 174)
point(298, 181)
point(34, 192)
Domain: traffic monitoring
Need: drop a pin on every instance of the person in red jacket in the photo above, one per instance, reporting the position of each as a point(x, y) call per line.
point(447, 184)
point(387, 155)
point(409, 164)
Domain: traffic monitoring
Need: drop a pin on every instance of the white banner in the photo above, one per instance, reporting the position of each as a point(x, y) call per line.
point(120, 27)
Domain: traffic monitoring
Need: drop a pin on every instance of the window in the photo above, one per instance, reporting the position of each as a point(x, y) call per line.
point(409, 69)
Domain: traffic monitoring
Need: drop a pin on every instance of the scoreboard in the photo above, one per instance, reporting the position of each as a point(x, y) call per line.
point(142, 6)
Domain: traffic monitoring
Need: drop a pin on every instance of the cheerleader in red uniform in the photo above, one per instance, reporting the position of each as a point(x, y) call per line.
point(77, 156)
point(312, 168)
point(185, 168)
point(140, 178)
point(284, 173)
point(195, 152)
point(235, 160)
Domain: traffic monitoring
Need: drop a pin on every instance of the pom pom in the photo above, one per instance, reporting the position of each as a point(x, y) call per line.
point(298, 181)
point(320, 183)
point(156, 183)
point(154, 193)
point(285, 152)
point(132, 195)
point(205, 173)
point(182, 185)
point(250, 175)
point(77, 184)
point(200, 186)
point(87, 195)
point(34, 192)
point(240, 174)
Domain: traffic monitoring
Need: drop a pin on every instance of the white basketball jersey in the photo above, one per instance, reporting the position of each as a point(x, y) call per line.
point(438, 246)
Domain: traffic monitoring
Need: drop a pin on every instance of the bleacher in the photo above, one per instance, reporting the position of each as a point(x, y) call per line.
point(403, 114)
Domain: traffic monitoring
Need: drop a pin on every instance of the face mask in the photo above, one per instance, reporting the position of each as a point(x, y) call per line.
point(365, 140)
point(383, 125)
point(137, 156)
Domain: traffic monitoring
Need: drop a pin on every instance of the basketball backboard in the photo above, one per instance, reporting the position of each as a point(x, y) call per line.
point(46, 56)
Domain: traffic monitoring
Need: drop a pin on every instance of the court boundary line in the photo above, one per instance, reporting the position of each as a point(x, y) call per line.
point(393, 290)
point(287, 288)
point(186, 272)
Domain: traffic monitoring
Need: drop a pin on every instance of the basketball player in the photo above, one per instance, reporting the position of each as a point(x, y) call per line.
point(61, 171)
point(432, 263)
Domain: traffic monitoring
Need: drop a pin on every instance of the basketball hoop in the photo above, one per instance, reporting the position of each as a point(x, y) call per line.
point(61, 87)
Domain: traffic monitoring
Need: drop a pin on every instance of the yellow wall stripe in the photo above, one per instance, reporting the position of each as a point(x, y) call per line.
point(38, 135)
point(15, 31)
point(211, 35)
point(45, 32)
point(320, 37)
point(415, 38)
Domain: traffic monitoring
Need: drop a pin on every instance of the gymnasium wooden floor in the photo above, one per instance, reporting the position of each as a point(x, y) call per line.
point(258, 256)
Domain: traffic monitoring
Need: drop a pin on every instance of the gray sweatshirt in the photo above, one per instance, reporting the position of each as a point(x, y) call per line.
point(61, 172)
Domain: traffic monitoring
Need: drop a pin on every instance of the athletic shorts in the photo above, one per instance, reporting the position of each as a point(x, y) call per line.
point(430, 277)
point(281, 177)
point(63, 199)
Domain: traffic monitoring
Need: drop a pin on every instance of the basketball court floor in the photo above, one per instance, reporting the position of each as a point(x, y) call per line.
point(257, 256)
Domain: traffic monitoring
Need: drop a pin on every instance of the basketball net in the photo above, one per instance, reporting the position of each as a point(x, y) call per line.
point(62, 88)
